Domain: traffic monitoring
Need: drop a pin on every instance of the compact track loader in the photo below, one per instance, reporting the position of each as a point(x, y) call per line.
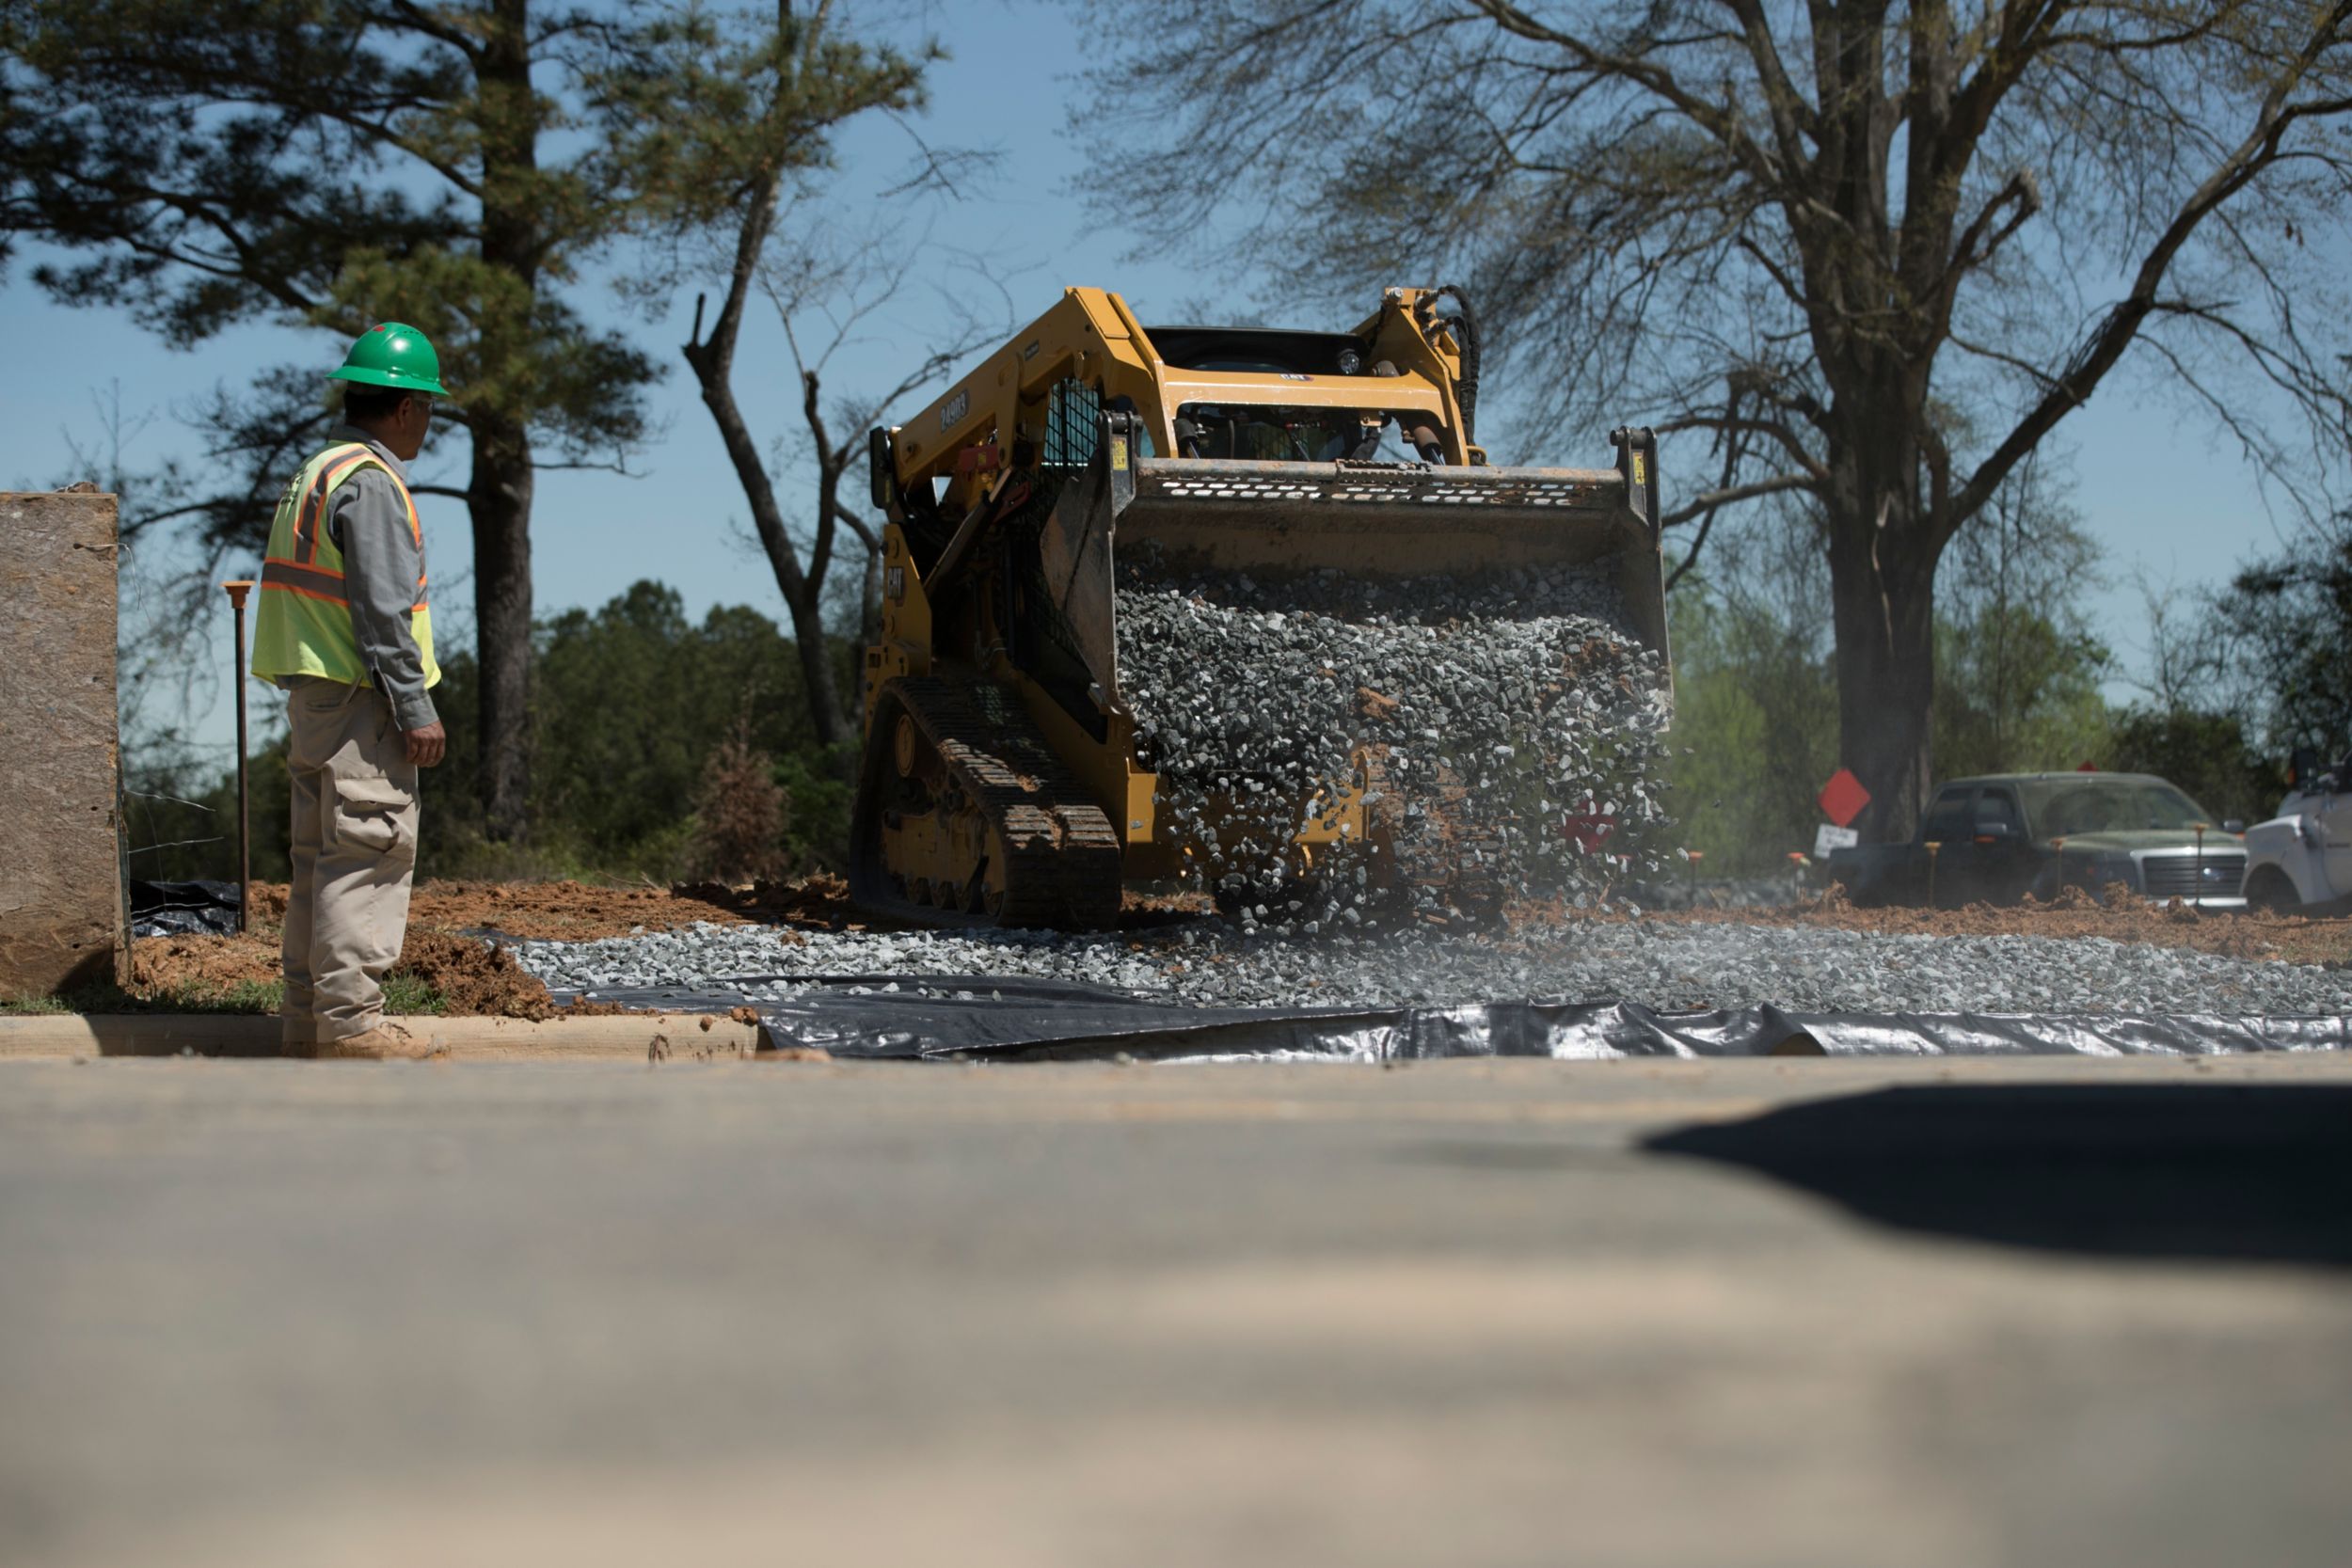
point(1002, 782)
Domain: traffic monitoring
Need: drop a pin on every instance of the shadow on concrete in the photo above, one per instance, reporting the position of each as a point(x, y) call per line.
point(2242, 1173)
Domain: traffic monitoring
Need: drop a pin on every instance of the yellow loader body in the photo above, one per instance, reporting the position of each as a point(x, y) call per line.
point(1001, 782)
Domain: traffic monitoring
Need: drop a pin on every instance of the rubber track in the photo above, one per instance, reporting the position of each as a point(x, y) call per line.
point(1065, 869)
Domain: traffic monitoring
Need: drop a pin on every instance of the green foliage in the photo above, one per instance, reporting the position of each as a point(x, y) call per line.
point(631, 701)
point(1756, 732)
point(647, 697)
point(2015, 693)
point(708, 108)
point(18, 1007)
point(329, 163)
point(2205, 753)
point(180, 819)
point(2287, 624)
point(403, 994)
point(818, 785)
point(1756, 693)
point(2017, 669)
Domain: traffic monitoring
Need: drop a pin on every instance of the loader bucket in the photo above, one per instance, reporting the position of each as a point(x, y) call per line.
point(1376, 520)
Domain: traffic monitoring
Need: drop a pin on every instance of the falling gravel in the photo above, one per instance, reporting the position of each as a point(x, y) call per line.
point(1657, 964)
point(1494, 707)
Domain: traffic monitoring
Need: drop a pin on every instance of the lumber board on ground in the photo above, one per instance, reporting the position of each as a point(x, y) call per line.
point(641, 1036)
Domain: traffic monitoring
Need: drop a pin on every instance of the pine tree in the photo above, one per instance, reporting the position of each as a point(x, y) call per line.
point(208, 164)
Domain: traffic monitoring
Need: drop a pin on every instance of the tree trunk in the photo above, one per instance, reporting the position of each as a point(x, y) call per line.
point(499, 503)
point(1881, 562)
point(817, 670)
point(1885, 693)
point(712, 360)
point(499, 494)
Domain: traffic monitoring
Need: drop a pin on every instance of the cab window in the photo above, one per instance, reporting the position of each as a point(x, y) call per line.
point(1996, 812)
point(1947, 819)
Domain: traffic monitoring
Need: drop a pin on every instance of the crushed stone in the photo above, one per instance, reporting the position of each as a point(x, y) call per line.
point(1664, 964)
point(1498, 706)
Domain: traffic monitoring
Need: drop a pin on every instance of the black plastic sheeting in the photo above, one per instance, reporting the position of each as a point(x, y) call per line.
point(910, 1018)
point(184, 908)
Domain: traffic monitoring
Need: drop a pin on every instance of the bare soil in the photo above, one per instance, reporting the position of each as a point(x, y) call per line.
point(475, 977)
point(453, 930)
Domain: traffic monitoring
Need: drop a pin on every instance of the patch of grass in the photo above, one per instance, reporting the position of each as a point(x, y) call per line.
point(191, 996)
point(17, 1005)
point(407, 993)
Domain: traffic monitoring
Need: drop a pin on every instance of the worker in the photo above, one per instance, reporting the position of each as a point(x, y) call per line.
point(343, 628)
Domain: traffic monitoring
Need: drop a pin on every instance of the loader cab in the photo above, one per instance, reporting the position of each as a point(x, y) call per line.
point(1256, 433)
point(1309, 397)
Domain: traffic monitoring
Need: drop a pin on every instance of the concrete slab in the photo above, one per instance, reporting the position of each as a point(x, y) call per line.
point(62, 920)
point(1465, 1312)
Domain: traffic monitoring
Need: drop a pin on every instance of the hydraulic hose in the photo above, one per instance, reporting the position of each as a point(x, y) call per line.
point(1467, 393)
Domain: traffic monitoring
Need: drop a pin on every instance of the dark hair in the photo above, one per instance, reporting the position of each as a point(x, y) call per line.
point(361, 401)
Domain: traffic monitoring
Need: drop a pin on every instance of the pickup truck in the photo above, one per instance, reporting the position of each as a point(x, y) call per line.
point(1999, 838)
point(2301, 859)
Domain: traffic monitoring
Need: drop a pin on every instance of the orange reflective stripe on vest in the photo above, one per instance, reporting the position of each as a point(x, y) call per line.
point(314, 503)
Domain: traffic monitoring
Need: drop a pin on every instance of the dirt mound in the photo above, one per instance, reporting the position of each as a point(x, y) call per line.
point(475, 977)
point(566, 912)
point(180, 963)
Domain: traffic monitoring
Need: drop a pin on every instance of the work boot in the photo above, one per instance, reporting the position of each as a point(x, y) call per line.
point(385, 1042)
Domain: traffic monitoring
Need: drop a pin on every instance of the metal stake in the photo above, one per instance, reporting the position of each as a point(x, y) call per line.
point(236, 592)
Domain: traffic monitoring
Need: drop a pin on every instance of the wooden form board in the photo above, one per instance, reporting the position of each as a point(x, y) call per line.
point(61, 896)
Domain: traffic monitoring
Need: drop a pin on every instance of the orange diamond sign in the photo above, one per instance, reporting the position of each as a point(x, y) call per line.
point(1843, 798)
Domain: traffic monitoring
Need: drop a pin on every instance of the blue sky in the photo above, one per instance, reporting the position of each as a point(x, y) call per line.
point(2163, 492)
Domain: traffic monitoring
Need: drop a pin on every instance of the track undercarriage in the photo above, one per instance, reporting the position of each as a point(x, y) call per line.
point(965, 816)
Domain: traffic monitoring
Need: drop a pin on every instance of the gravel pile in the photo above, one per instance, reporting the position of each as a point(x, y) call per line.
point(1660, 964)
point(1504, 701)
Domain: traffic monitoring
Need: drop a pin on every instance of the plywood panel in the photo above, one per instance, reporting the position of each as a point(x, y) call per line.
point(61, 915)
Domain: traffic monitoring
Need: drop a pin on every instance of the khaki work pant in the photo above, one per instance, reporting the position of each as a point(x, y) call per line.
point(354, 850)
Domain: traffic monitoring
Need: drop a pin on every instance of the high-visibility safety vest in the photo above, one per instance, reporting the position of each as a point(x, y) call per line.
point(303, 624)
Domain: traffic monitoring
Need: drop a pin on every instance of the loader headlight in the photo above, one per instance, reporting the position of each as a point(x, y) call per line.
point(1350, 361)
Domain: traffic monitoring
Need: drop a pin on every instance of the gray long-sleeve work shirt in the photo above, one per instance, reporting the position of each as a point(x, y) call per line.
point(382, 563)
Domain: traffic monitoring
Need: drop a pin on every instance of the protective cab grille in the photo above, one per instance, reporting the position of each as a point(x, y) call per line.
point(2179, 873)
point(1343, 483)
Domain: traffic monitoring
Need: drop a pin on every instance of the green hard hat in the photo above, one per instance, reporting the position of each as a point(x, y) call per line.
point(395, 355)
